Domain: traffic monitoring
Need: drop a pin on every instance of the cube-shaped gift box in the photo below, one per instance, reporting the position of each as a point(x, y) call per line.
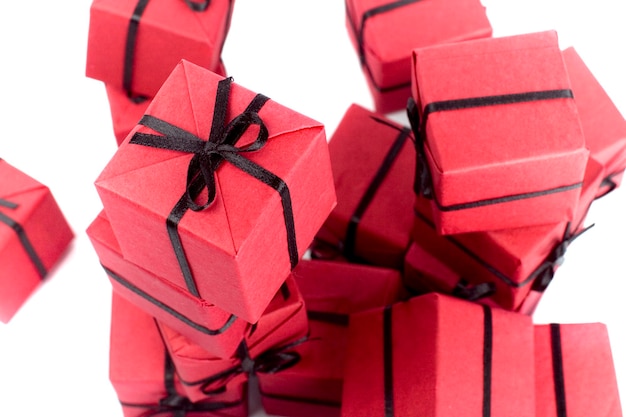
point(603, 124)
point(216, 330)
point(384, 33)
point(225, 218)
point(134, 45)
point(373, 161)
point(435, 355)
point(143, 374)
point(498, 133)
point(312, 387)
point(34, 235)
point(126, 110)
point(574, 371)
point(504, 267)
point(265, 347)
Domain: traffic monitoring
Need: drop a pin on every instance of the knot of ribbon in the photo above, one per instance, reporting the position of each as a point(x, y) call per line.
point(269, 362)
point(198, 5)
point(24, 240)
point(208, 156)
point(423, 182)
point(473, 292)
point(545, 273)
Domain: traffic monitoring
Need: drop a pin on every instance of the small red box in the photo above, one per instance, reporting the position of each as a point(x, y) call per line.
point(500, 132)
point(126, 111)
point(34, 235)
point(283, 323)
point(216, 330)
point(385, 32)
point(575, 372)
point(373, 162)
point(436, 355)
point(312, 387)
point(143, 375)
point(237, 249)
point(603, 124)
point(515, 261)
point(134, 45)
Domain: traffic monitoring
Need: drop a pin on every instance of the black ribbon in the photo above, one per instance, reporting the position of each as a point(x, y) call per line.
point(207, 157)
point(359, 34)
point(268, 362)
point(487, 359)
point(393, 152)
point(131, 42)
point(557, 369)
point(388, 361)
point(423, 177)
point(545, 273)
point(176, 404)
point(464, 290)
point(337, 319)
point(24, 240)
point(196, 326)
point(609, 183)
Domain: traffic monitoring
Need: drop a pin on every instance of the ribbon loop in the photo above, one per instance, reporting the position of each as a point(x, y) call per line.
point(473, 292)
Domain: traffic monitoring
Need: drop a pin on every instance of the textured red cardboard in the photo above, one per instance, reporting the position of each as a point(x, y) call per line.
point(603, 124)
point(143, 377)
point(216, 330)
point(385, 32)
point(575, 374)
point(269, 200)
point(500, 132)
point(134, 45)
point(459, 358)
point(373, 162)
point(34, 235)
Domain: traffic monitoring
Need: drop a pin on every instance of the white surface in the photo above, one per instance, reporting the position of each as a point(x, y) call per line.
point(56, 127)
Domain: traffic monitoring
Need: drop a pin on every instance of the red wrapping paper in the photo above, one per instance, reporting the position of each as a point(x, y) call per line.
point(520, 157)
point(216, 330)
point(373, 163)
point(603, 124)
point(389, 37)
point(514, 261)
point(284, 322)
point(166, 32)
point(439, 356)
point(237, 248)
point(34, 235)
point(126, 112)
point(313, 386)
point(137, 367)
point(575, 372)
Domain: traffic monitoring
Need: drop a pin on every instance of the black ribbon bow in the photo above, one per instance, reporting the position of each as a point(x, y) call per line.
point(269, 362)
point(24, 240)
point(208, 156)
point(545, 273)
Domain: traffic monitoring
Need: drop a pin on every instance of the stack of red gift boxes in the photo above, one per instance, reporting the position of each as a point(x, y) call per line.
point(432, 242)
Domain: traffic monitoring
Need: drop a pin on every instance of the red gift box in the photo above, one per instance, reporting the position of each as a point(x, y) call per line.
point(126, 110)
point(34, 235)
point(435, 355)
point(283, 323)
point(143, 374)
point(373, 162)
point(499, 131)
point(603, 124)
point(385, 32)
point(517, 262)
point(134, 45)
point(216, 330)
point(575, 372)
point(312, 387)
point(237, 246)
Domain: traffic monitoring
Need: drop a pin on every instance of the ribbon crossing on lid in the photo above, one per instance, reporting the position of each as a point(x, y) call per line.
point(24, 240)
point(207, 157)
point(423, 177)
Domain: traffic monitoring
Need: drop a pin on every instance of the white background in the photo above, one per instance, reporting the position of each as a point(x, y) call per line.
point(55, 126)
